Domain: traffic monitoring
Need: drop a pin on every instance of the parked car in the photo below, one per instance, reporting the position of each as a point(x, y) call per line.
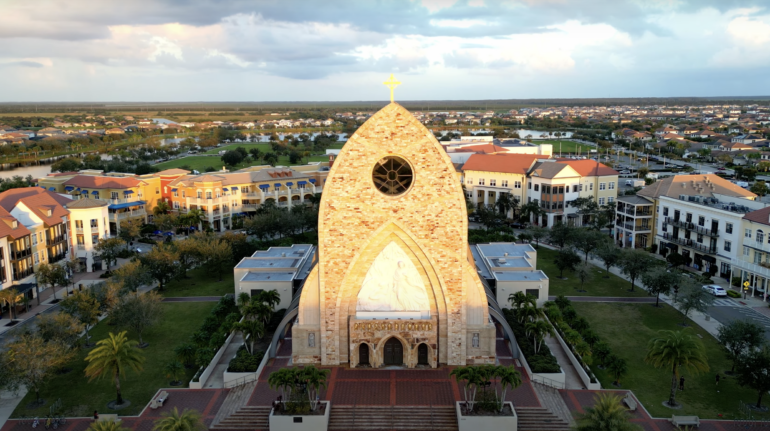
point(715, 290)
point(720, 168)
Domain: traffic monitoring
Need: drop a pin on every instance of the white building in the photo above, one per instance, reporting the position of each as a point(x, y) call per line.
point(88, 224)
point(508, 268)
point(282, 269)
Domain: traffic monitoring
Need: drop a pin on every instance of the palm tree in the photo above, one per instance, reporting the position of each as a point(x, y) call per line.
point(111, 357)
point(269, 297)
point(538, 330)
point(532, 210)
point(189, 420)
point(471, 377)
point(607, 414)
point(162, 207)
point(243, 301)
point(173, 369)
point(315, 379)
point(504, 204)
point(259, 311)
point(110, 425)
point(674, 349)
point(530, 313)
point(251, 329)
point(509, 377)
point(10, 296)
point(194, 217)
point(283, 379)
point(584, 350)
point(185, 354)
point(520, 300)
point(617, 367)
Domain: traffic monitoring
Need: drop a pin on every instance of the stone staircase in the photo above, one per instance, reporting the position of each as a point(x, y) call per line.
point(539, 419)
point(236, 414)
point(350, 418)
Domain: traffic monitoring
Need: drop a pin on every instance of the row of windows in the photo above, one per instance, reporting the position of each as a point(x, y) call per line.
point(702, 221)
point(493, 183)
point(759, 237)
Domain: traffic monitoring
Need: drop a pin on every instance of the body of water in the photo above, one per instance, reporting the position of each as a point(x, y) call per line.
point(538, 134)
point(163, 121)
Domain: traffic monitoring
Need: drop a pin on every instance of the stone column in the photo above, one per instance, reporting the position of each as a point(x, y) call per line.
point(486, 198)
point(288, 197)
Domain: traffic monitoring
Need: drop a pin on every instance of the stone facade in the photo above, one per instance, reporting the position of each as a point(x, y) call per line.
point(411, 333)
point(428, 222)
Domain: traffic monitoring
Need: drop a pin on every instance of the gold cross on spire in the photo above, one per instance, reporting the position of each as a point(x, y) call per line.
point(392, 84)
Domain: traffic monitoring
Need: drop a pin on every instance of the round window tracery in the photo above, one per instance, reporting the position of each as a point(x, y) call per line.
point(392, 175)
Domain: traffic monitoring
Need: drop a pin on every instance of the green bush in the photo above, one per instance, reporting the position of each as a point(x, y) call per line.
point(147, 241)
point(245, 362)
point(544, 361)
point(733, 294)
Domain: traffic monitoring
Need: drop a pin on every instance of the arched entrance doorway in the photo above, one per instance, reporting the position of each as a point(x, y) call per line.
point(394, 352)
point(422, 354)
point(363, 354)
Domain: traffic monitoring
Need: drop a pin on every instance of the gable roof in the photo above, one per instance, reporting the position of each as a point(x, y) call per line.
point(590, 168)
point(99, 182)
point(761, 216)
point(6, 226)
point(39, 201)
point(511, 164)
point(550, 169)
point(694, 185)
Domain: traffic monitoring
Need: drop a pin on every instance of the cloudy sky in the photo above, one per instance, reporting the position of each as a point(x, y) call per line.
point(306, 50)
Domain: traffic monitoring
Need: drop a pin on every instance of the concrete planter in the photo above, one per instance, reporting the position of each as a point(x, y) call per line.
point(301, 422)
point(210, 368)
point(486, 423)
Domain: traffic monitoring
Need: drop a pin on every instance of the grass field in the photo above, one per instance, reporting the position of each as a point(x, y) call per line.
point(80, 398)
point(566, 146)
point(201, 282)
point(200, 163)
point(599, 286)
point(629, 327)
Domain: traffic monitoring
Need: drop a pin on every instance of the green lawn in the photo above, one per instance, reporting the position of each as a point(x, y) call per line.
point(81, 398)
point(566, 146)
point(200, 163)
point(599, 286)
point(629, 327)
point(264, 147)
point(201, 282)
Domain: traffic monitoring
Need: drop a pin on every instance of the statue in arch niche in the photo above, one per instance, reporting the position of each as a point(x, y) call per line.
point(392, 283)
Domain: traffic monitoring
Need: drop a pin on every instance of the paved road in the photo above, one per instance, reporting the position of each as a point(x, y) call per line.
point(727, 310)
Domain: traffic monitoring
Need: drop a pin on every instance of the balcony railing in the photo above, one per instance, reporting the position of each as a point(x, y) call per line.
point(20, 254)
point(761, 245)
point(81, 246)
point(637, 212)
point(127, 214)
point(690, 243)
point(692, 227)
point(56, 258)
point(55, 240)
point(18, 275)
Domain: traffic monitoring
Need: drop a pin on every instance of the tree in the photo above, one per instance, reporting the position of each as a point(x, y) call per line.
point(587, 240)
point(642, 172)
point(584, 273)
point(538, 233)
point(112, 357)
point(110, 425)
point(59, 327)
point(566, 259)
point(270, 158)
point(693, 297)
point(675, 349)
point(505, 204)
point(51, 275)
point(190, 251)
point(251, 329)
point(660, 281)
point(138, 312)
point(256, 154)
point(634, 263)
point(753, 370)
point(561, 234)
point(609, 254)
point(739, 337)
point(538, 330)
point(532, 211)
point(84, 307)
point(314, 379)
point(162, 207)
point(161, 264)
point(129, 230)
point(232, 158)
point(189, 420)
point(194, 217)
point(218, 256)
point(675, 259)
point(69, 164)
point(520, 300)
point(173, 370)
point(186, 354)
point(617, 367)
point(759, 188)
point(33, 361)
point(130, 277)
point(472, 379)
point(10, 296)
point(109, 249)
point(607, 414)
point(166, 222)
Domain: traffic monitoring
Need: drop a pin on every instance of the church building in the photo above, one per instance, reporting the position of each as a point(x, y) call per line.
point(394, 283)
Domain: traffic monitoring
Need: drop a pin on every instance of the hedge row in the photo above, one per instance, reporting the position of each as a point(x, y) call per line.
point(544, 361)
point(576, 333)
point(214, 331)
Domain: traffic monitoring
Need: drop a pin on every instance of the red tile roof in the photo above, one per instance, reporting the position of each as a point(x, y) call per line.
point(482, 148)
point(6, 226)
point(759, 216)
point(39, 201)
point(510, 163)
point(590, 168)
point(98, 182)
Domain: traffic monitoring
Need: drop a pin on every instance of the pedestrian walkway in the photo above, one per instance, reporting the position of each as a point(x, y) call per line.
point(727, 303)
point(572, 379)
point(629, 299)
point(215, 380)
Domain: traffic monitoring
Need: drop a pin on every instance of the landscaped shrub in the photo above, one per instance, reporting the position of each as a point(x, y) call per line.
point(213, 332)
point(543, 361)
point(577, 333)
point(733, 294)
point(245, 362)
point(147, 241)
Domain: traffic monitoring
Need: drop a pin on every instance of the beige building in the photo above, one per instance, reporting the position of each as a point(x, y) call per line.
point(282, 269)
point(487, 176)
point(508, 268)
point(395, 283)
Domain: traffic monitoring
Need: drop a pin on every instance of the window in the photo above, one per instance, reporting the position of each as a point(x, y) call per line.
point(580, 187)
point(94, 238)
point(219, 194)
point(758, 257)
point(529, 185)
point(176, 205)
point(610, 200)
point(601, 201)
point(729, 227)
point(574, 188)
point(602, 186)
point(469, 181)
point(700, 239)
point(745, 251)
point(760, 236)
point(37, 258)
point(665, 211)
point(537, 187)
point(747, 234)
point(176, 194)
point(591, 187)
point(81, 240)
point(701, 221)
point(208, 195)
point(183, 194)
point(688, 218)
point(157, 190)
point(612, 185)
point(517, 184)
point(200, 195)
point(728, 245)
point(78, 224)
point(34, 239)
point(561, 190)
point(481, 181)
point(94, 223)
point(493, 182)
point(392, 175)
point(114, 195)
point(505, 184)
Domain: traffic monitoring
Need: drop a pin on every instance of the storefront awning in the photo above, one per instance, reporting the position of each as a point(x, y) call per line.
point(312, 180)
point(299, 183)
point(225, 189)
point(173, 190)
point(277, 185)
point(24, 288)
point(69, 188)
point(289, 184)
point(128, 192)
point(127, 205)
point(53, 189)
point(264, 186)
point(234, 188)
point(94, 192)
